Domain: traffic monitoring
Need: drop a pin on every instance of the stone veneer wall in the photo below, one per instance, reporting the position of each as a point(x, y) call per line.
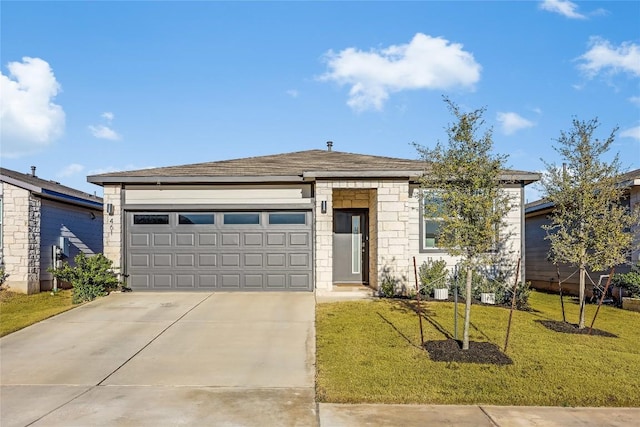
point(21, 239)
point(112, 228)
point(388, 205)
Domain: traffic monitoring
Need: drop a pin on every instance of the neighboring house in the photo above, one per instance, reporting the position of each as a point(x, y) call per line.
point(540, 271)
point(34, 215)
point(303, 221)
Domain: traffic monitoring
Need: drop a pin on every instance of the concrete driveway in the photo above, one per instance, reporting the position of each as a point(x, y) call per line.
point(159, 359)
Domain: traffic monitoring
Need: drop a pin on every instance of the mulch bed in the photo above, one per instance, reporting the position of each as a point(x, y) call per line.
point(479, 352)
point(572, 328)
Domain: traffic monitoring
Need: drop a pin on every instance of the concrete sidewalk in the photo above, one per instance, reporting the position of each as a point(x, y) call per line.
point(344, 415)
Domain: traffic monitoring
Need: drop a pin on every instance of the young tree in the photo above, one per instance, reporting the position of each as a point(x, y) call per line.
point(462, 189)
point(590, 224)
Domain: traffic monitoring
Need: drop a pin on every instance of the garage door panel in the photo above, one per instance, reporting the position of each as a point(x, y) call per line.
point(299, 239)
point(299, 260)
point(185, 260)
point(162, 281)
point(185, 239)
point(276, 260)
point(253, 281)
point(276, 281)
point(207, 260)
point(139, 260)
point(276, 239)
point(253, 260)
point(185, 281)
point(259, 256)
point(230, 239)
point(207, 281)
point(207, 239)
point(139, 281)
point(161, 239)
point(162, 260)
point(139, 240)
point(230, 260)
point(252, 239)
point(230, 281)
point(300, 281)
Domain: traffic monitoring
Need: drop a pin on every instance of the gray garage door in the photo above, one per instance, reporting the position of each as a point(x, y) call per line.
point(227, 251)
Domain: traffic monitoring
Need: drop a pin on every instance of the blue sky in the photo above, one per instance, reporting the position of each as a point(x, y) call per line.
point(92, 87)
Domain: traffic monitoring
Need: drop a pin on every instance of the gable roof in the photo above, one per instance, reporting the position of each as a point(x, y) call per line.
point(297, 166)
point(49, 189)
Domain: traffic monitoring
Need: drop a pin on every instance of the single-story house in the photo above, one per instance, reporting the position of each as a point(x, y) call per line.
point(540, 271)
point(304, 221)
point(36, 215)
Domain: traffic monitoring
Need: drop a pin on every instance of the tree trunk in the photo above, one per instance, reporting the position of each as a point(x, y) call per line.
point(467, 310)
point(582, 296)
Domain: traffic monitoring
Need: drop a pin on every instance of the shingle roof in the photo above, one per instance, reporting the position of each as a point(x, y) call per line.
point(311, 163)
point(45, 187)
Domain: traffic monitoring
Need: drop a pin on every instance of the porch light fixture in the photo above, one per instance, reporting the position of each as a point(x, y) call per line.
point(110, 208)
point(323, 206)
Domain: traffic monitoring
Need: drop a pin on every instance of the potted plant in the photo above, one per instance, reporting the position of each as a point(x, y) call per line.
point(433, 277)
point(630, 283)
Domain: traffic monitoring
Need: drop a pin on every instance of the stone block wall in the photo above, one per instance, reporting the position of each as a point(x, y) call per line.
point(387, 201)
point(112, 227)
point(20, 238)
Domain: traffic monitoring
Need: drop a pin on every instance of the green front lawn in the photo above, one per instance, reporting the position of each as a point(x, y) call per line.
point(369, 351)
point(18, 311)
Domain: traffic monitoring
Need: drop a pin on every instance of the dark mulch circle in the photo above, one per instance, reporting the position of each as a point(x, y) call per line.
point(479, 352)
point(571, 328)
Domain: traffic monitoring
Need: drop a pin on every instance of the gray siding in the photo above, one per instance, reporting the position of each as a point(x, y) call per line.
point(542, 273)
point(83, 230)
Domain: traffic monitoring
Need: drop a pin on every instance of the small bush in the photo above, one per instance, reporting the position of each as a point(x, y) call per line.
point(523, 290)
point(629, 281)
point(3, 276)
point(91, 277)
point(433, 275)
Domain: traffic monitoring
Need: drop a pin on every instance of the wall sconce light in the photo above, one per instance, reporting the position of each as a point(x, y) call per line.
point(323, 206)
point(110, 208)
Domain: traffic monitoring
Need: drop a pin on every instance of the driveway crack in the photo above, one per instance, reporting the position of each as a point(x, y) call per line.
point(153, 339)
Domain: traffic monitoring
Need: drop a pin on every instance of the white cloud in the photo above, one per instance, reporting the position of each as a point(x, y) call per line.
point(565, 8)
point(105, 131)
point(70, 170)
point(510, 123)
point(602, 56)
point(635, 100)
point(30, 119)
point(424, 63)
point(633, 132)
point(293, 93)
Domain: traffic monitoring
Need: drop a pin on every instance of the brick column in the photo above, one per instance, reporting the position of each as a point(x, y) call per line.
point(323, 235)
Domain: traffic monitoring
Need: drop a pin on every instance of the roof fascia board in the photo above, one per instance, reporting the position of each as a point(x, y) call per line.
point(310, 175)
point(21, 184)
point(100, 180)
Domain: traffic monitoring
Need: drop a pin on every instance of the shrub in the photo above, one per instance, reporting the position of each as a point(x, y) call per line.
point(3, 276)
point(91, 277)
point(629, 281)
point(433, 275)
point(523, 290)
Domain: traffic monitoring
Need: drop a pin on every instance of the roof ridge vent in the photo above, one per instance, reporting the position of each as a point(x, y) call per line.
point(329, 145)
